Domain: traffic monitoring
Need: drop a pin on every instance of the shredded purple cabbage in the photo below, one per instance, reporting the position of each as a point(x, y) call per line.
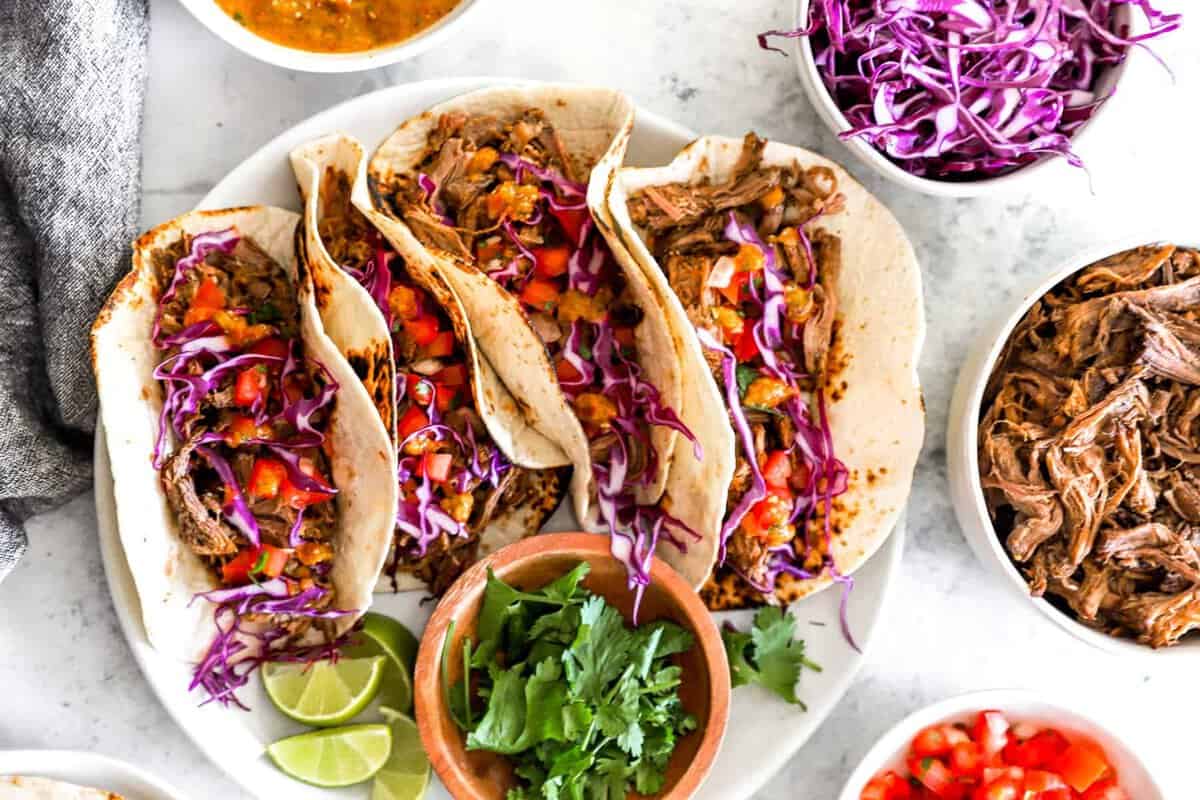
point(968, 89)
point(239, 649)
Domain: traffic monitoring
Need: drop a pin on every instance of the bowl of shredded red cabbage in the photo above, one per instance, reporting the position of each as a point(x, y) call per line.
point(960, 93)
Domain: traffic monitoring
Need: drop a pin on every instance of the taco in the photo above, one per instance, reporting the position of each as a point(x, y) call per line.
point(405, 334)
point(25, 787)
point(496, 185)
point(804, 295)
point(254, 482)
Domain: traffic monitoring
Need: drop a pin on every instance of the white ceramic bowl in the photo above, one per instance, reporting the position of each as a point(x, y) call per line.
point(962, 456)
point(1018, 706)
point(220, 23)
point(821, 99)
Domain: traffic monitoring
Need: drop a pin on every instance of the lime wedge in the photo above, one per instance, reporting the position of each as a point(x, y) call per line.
point(334, 757)
point(385, 636)
point(325, 692)
point(405, 776)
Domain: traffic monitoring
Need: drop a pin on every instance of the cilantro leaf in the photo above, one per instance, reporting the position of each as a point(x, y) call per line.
point(769, 654)
point(585, 707)
point(745, 376)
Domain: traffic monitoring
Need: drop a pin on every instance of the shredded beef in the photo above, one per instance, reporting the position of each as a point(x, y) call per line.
point(1087, 441)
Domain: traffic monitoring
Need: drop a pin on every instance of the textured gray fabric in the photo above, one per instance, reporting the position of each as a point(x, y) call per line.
point(72, 81)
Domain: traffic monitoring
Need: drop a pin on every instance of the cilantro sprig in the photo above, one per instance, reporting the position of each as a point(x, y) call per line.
point(769, 654)
point(585, 707)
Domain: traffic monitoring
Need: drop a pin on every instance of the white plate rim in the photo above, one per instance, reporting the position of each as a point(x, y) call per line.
point(106, 769)
point(182, 708)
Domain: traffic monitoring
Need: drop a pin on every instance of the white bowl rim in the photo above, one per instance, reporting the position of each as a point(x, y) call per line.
point(828, 110)
point(968, 442)
point(1000, 699)
point(225, 28)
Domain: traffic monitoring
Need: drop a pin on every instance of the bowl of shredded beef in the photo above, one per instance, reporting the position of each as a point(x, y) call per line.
point(1074, 448)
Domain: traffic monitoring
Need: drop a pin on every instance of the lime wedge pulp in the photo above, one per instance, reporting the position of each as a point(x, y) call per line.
point(382, 635)
point(335, 756)
point(324, 693)
point(405, 776)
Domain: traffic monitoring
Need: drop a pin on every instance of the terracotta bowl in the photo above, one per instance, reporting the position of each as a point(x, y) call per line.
point(531, 564)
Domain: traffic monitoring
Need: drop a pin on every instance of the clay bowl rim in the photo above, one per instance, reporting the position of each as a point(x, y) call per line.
point(427, 676)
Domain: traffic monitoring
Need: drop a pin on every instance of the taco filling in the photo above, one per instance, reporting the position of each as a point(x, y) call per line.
point(454, 481)
point(507, 196)
point(248, 482)
point(757, 278)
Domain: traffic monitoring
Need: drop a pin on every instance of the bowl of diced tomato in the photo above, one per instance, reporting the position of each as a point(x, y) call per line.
point(1000, 745)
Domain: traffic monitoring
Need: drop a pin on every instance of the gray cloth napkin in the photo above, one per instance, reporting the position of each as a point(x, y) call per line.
point(72, 81)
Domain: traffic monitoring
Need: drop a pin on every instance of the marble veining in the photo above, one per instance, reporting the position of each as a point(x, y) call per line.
point(68, 678)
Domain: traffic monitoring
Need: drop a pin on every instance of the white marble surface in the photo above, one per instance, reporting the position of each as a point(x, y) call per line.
point(67, 679)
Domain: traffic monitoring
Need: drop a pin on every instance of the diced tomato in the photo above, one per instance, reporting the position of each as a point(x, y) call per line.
point(966, 760)
point(929, 741)
point(991, 774)
point(540, 294)
point(267, 477)
point(422, 330)
point(441, 346)
point(241, 428)
point(412, 421)
point(775, 471)
point(571, 221)
point(955, 735)
point(271, 346)
point(488, 250)
point(1081, 765)
point(626, 337)
point(1040, 750)
point(733, 289)
point(1059, 794)
point(251, 386)
point(746, 348)
point(566, 372)
point(550, 262)
point(209, 299)
point(1105, 789)
point(302, 498)
point(453, 375)
point(999, 789)
point(436, 466)
point(934, 775)
point(888, 786)
point(266, 560)
point(446, 396)
point(1039, 780)
point(990, 733)
point(419, 388)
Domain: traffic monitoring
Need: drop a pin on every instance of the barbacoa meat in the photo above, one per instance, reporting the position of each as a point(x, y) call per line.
point(1088, 441)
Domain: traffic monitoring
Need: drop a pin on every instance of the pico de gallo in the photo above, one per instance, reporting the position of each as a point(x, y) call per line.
point(993, 759)
point(508, 197)
point(242, 454)
point(757, 279)
point(454, 481)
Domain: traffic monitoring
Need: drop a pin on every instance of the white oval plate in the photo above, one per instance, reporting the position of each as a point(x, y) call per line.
point(87, 769)
point(763, 730)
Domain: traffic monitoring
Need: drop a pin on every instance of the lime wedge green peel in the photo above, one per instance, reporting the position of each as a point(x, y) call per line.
point(334, 757)
point(324, 693)
point(405, 776)
point(381, 635)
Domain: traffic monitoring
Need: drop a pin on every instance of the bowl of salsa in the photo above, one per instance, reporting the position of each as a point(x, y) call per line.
point(331, 35)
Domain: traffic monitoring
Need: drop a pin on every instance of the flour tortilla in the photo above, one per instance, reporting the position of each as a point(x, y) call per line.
point(168, 575)
point(24, 787)
point(876, 412)
point(594, 126)
point(359, 330)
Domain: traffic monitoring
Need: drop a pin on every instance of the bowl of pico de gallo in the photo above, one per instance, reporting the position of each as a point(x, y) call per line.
point(1000, 745)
